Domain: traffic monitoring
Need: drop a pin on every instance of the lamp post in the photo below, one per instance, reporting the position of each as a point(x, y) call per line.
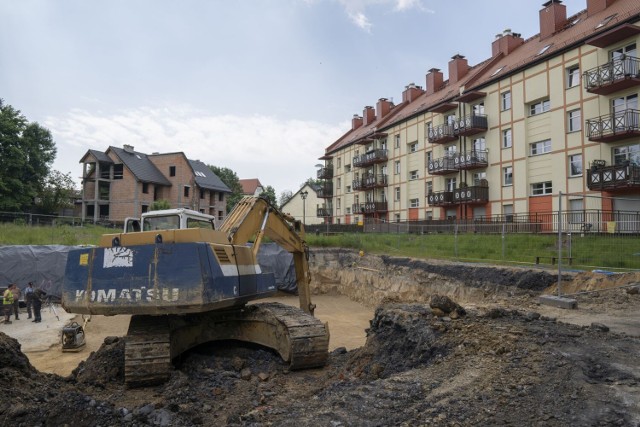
point(304, 195)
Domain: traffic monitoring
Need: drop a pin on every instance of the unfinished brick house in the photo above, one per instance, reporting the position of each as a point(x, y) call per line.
point(122, 182)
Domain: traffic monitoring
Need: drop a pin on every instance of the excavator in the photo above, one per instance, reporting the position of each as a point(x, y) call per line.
point(186, 283)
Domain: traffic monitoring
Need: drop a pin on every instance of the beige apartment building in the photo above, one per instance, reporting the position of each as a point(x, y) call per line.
point(122, 182)
point(557, 112)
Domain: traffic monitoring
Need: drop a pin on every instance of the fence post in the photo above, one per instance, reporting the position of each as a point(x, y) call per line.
point(455, 240)
point(504, 235)
point(559, 242)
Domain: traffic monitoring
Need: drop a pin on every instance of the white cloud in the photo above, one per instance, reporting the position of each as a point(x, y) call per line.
point(356, 9)
point(281, 153)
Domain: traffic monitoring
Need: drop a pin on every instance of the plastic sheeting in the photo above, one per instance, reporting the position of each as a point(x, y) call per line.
point(45, 266)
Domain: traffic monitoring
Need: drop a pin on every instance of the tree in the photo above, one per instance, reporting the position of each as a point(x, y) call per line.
point(285, 196)
point(26, 153)
point(269, 193)
point(159, 205)
point(231, 180)
point(312, 182)
point(57, 193)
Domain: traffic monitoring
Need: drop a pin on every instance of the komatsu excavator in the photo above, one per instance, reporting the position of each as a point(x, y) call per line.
point(187, 286)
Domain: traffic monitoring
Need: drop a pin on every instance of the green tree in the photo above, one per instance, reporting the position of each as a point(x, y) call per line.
point(57, 193)
point(26, 153)
point(231, 180)
point(269, 193)
point(285, 196)
point(312, 182)
point(159, 205)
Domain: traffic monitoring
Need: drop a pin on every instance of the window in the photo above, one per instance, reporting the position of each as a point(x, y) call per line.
point(574, 122)
point(397, 167)
point(145, 187)
point(220, 197)
point(347, 168)
point(339, 186)
point(428, 129)
point(414, 203)
point(497, 71)
point(544, 49)
point(202, 193)
point(478, 178)
point(413, 147)
point(186, 191)
point(507, 211)
point(348, 210)
point(540, 147)
point(118, 171)
point(539, 107)
point(220, 215)
point(450, 184)
point(573, 76)
point(506, 138)
point(605, 21)
point(172, 171)
point(338, 203)
point(507, 176)
point(478, 109)
point(397, 141)
point(479, 144)
point(339, 162)
point(397, 194)
point(429, 157)
point(541, 188)
point(396, 217)
point(348, 189)
point(506, 100)
point(428, 187)
point(413, 175)
point(629, 153)
point(575, 165)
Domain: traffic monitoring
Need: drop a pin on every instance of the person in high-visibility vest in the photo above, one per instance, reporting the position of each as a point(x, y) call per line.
point(7, 302)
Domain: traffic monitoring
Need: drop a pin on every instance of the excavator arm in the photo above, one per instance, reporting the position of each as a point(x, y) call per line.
point(253, 218)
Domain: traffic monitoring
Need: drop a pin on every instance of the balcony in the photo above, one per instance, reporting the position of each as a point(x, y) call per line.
point(323, 211)
point(370, 208)
point(440, 198)
point(370, 181)
point(613, 178)
point(325, 173)
point(614, 76)
point(443, 165)
point(473, 159)
point(326, 191)
point(477, 194)
point(441, 134)
point(370, 158)
point(470, 125)
point(614, 127)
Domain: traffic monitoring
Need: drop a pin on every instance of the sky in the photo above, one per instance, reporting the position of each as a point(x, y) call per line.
point(258, 86)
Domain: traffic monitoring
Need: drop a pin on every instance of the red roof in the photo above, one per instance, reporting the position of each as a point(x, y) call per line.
point(249, 186)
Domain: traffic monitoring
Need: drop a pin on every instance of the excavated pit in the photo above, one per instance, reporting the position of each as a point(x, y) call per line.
point(499, 361)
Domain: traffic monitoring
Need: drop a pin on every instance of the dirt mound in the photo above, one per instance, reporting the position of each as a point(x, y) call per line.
point(103, 366)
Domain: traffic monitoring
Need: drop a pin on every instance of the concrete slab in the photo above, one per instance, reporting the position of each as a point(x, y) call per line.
point(557, 301)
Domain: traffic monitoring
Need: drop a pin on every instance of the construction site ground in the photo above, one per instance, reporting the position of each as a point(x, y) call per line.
point(499, 358)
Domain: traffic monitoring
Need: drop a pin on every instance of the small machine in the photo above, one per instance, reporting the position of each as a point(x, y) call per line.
point(72, 337)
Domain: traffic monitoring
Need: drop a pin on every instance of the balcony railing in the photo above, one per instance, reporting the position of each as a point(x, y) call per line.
point(370, 181)
point(614, 127)
point(325, 173)
point(370, 158)
point(323, 211)
point(370, 207)
point(326, 190)
point(614, 76)
point(441, 134)
point(611, 178)
point(473, 159)
point(470, 195)
point(470, 125)
point(440, 198)
point(443, 165)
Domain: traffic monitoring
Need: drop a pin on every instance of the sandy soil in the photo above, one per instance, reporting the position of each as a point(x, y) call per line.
point(41, 343)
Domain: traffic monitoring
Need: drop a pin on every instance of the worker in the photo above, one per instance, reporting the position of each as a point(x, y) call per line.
point(28, 299)
point(16, 301)
point(7, 303)
point(38, 295)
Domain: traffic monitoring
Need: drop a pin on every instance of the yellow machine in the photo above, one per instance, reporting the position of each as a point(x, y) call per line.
point(188, 286)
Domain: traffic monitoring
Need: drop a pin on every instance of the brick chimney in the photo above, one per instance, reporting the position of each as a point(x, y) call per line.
point(458, 67)
point(369, 115)
point(595, 6)
point(506, 43)
point(411, 92)
point(434, 81)
point(128, 148)
point(552, 18)
point(356, 122)
point(383, 107)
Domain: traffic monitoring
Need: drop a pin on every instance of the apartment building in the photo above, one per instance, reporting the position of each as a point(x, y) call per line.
point(122, 182)
point(557, 112)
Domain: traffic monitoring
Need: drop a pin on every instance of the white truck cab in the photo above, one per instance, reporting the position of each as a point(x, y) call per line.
point(169, 219)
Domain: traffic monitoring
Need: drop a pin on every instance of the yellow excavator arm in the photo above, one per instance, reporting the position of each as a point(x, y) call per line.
point(253, 218)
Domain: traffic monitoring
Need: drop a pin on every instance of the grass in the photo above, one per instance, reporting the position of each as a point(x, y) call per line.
point(16, 234)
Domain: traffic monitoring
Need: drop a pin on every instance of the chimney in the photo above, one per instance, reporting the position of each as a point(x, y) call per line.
point(128, 148)
point(411, 92)
point(552, 18)
point(458, 67)
point(506, 42)
point(356, 122)
point(383, 107)
point(434, 81)
point(595, 6)
point(369, 115)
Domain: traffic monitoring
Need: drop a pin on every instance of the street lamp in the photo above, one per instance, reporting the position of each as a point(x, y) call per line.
point(304, 195)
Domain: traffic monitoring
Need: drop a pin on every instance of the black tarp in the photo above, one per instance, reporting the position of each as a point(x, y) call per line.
point(273, 259)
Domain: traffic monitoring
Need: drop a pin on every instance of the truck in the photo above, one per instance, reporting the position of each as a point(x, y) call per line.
point(185, 282)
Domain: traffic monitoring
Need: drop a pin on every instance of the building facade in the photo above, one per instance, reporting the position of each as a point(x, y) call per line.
point(557, 112)
point(305, 205)
point(122, 182)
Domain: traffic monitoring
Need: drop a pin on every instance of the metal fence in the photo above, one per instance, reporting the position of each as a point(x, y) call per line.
point(25, 218)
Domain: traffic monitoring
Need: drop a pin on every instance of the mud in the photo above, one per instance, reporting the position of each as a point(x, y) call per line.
point(502, 361)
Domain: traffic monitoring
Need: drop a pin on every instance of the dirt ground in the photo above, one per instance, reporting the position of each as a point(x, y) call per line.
point(494, 356)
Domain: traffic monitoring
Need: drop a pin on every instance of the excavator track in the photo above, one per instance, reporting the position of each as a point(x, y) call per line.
point(153, 341)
